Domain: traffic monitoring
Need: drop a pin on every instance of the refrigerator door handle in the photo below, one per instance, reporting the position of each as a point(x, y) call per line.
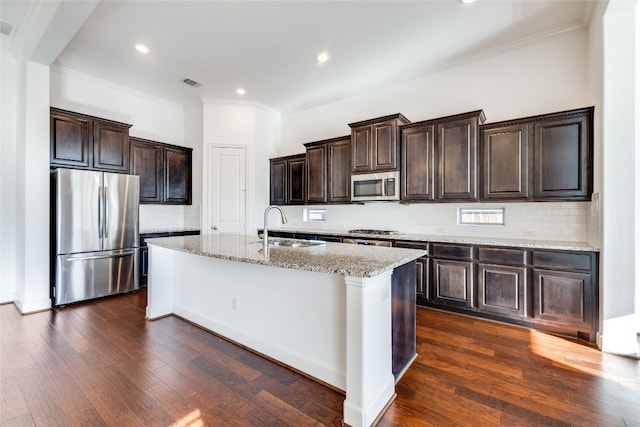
point(120, 255)
point(100, 210)
point(106, 212)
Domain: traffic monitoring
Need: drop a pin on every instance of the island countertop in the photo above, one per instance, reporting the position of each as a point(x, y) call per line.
point(332, 258)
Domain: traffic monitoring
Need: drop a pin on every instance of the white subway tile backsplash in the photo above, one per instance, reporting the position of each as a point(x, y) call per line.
point(169, 217)
point(565, 221)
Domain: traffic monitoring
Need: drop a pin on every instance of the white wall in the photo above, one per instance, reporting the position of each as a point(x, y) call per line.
point(595, 92)
point(34, 183)
point(228, 123)
point(8, 173)
point(152, 118)
point(25, 186)
point(621, 178)
point(538, 78)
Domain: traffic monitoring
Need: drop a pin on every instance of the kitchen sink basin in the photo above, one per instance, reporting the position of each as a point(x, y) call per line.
point(295, 243)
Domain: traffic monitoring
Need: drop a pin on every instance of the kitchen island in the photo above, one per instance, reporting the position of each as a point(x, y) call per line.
point(324, 310)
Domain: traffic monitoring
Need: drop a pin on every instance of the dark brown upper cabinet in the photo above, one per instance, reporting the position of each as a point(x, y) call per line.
point(164, 170)
point(545, 157)
point(328, 170)
point(506, 150)
point(177, 175)
point(457, 156)
point(374, 143)
point(418, 165)
point(146, 162)
point(87, 142)
point(439, 158)
point(563, 150)
point(316, 173)
point(288, 180)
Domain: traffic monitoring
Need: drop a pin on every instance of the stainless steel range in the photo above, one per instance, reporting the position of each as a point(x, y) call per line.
point(370, 242)
point(374, 232)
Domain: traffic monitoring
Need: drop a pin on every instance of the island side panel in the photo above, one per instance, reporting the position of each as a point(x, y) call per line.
point(370, 382)
point(294, 316)
point(160, 296)
point(403, 318)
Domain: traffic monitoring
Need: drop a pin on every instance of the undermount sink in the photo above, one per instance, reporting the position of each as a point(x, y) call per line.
point(295, 243)
point(292, 243)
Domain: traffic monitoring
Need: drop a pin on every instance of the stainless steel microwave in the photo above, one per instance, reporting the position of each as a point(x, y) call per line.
point(375, 186)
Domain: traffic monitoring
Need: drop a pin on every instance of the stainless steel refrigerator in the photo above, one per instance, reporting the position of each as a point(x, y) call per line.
point(94, 234)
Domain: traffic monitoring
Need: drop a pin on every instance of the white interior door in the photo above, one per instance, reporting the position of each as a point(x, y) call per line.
point(227, 191)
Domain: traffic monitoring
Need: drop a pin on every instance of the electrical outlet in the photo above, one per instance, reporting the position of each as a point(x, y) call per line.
point(441, 230)
point(528, 233)
point(234, 303)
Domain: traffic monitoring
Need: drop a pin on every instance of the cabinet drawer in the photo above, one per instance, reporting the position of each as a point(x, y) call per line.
point(412, 245)
point(564, 260)
point(502, 256)
point(452, 252)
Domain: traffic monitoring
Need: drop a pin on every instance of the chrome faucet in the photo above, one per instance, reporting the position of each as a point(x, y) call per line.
point(265, 231)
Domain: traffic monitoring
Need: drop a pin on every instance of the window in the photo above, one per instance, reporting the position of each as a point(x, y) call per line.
point(314, 214)
point(481, 216)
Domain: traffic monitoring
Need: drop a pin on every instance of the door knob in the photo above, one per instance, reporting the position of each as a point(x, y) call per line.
point(215, 227)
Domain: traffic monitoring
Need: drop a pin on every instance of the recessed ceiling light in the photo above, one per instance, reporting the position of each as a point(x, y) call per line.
point(142, 48)
point(6, 28)
point(322, 57)
point(191, 82)
point(467, 1)
point(240, 91)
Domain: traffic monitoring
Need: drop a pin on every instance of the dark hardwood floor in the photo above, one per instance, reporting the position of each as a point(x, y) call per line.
point(102, 364)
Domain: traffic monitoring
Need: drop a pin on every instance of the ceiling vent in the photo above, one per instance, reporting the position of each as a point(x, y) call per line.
point(6, 28)
point(192, 82)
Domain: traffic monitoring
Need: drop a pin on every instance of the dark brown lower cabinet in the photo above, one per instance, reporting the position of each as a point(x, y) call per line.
point(501, 290)
point(502, 282)
point(564, 295)
point(452, 275)
point(560, 296)
point(452, 282)
point(551, 290)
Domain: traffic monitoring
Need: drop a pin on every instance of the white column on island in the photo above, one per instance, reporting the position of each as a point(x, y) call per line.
point(370, 383)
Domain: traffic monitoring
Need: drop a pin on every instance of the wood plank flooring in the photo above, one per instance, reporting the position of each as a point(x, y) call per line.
point(103, 364)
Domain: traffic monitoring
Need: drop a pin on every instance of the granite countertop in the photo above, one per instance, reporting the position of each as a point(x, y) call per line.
point(332, 258)
point(486, 241)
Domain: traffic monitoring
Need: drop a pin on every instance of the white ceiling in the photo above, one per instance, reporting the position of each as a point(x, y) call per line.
point(270, 47)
